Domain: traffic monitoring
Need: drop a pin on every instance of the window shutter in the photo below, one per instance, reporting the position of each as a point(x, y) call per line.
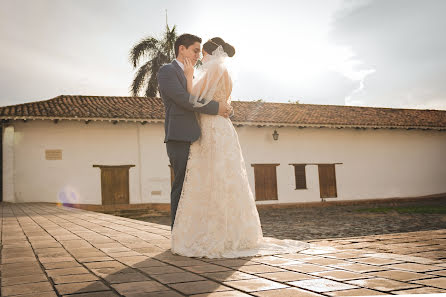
point(299, 173)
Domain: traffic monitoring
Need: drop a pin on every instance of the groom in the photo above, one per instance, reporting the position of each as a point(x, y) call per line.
point(180, 124)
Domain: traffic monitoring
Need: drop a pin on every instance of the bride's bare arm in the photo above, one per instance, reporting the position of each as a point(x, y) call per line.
point(228, 84)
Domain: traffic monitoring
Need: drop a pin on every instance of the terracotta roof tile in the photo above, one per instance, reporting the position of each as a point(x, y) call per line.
point(256, 113)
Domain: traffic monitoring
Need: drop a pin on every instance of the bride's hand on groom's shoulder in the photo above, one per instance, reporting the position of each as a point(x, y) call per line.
point(188, 69)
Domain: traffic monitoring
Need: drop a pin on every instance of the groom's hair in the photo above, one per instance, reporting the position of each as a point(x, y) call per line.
point(186, 40)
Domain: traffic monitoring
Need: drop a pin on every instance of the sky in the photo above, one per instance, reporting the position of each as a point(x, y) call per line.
point(382, 53)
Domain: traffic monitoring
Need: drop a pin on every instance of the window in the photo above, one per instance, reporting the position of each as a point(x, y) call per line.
point(299, 176)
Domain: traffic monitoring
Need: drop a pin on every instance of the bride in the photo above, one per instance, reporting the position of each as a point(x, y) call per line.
point(217, 215)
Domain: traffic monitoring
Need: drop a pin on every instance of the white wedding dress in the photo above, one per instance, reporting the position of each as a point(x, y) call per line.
point(217, 215)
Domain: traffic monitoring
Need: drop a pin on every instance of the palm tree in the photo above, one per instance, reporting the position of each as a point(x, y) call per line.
point(159, 52)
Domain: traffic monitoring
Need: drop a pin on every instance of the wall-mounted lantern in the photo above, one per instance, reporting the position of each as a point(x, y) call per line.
point(275, 135)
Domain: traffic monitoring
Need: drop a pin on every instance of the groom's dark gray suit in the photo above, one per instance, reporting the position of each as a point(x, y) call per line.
point(180, 124)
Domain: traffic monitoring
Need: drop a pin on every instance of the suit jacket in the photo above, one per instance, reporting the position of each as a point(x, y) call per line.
point(180, 123)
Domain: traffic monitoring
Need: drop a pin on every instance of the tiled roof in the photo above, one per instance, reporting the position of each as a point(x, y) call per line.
point(246, 112)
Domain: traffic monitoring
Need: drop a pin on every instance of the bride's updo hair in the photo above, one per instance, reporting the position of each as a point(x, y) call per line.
point(212, 44)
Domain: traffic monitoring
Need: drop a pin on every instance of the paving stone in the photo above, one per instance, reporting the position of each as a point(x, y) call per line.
point(423, 290)
point(308, 268)
point(21, 272)
point(149, 263)
point(16, 280)
point(129, 253)
point(439, 282)
point(120, 248)
point(197, 287)
point(326, 261)
point(285, 276)
point(356, 267)
point(259, 268)
point(26, 288)
point(287, 292)
point(125, 277)
point(94, 259)
point(103, 272)
point(228, 275)
point(95, 294)
point(222, 294)
point(66, 271)
point(139, 287)
point(160, 270)
point(345, 255)
point(24, 260)
point(234, 263)
point(169, 293)
point(84, 287)
point(255, 284)
point(356, 292)
point(439, 273)
point(183, 263)
point(382, 284)
point(39, 294)
point(77, 278)
point(321, 285)
point(318, 250)
point(376, 261)
point(19, 266)
point(300, 257)
point(275, 261)
point(179, 277)
point(17, 253)
point(206, 268)
point(340, 275)
point(413, 267)
point(105, 264)
point(399, 275)
point(56, 265)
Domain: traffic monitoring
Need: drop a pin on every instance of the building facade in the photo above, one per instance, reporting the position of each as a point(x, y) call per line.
point(118, 158)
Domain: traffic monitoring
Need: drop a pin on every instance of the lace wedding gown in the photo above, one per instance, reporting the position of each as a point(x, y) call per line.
point(217, 215)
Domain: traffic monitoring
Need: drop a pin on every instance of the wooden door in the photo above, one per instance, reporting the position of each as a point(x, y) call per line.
point(114, 184)
point(265, 181)
point(327, 180)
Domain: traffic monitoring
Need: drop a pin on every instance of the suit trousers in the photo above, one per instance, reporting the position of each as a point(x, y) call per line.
point(178, 152)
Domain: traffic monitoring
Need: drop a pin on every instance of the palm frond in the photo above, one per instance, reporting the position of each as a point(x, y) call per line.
point(152, 84)
point(168, 42)
point(140, 78)
point(159, 52)
point(147, 46)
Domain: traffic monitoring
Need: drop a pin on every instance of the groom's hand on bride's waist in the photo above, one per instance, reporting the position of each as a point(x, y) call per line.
point(224, 109)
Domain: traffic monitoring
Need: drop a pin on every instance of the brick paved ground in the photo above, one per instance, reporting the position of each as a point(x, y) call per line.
point(58, 251)
point(316, 222)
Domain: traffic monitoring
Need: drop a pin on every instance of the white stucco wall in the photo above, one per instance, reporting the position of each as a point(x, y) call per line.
point(74, 179)
point(8, 163)
point(376, 163)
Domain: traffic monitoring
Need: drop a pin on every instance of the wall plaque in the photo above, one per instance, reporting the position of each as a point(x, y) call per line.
point(53, 154)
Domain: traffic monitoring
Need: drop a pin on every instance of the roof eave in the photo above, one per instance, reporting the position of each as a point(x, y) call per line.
point(239, 123)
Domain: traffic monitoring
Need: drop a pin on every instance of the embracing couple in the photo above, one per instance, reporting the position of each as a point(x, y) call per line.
point(213, 210)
